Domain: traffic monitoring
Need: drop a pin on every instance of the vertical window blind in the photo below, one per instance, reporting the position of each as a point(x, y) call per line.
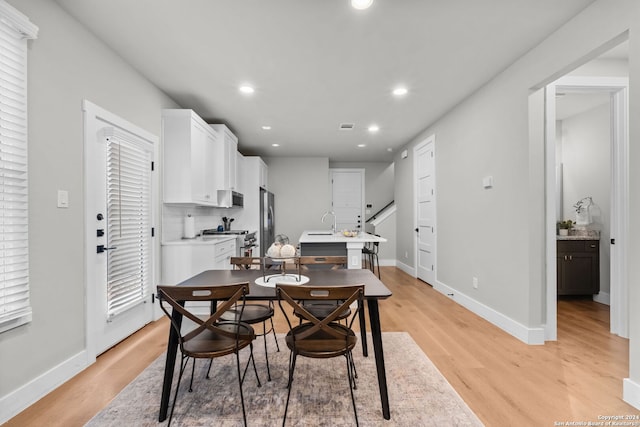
point(15, 307)
point(128, 223)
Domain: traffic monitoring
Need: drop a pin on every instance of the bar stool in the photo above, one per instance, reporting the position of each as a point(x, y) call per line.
point(370, 252)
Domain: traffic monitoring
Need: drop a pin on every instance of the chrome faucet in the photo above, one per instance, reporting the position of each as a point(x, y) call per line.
point(334, 219)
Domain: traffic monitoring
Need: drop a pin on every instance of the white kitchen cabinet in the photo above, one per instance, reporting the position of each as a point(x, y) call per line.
point(190, 146)
point(241, 173)
point(226, 164)
point(255, 172)
point(183, 259)
point(263, 174)
point(224, 252)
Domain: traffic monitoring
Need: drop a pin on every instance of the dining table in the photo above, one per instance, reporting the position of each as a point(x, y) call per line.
point(374, 290)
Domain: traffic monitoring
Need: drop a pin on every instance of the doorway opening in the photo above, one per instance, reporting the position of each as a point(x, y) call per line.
point(579, 165)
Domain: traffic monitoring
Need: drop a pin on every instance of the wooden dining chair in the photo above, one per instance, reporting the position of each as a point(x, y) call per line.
point(320, 338)
point(212, 337)
point(332, 261)
point(254, 313)
point(321, 308)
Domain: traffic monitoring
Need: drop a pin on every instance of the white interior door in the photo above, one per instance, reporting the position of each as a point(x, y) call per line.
point(347, 196)
point(424, 173)
point(119, 228)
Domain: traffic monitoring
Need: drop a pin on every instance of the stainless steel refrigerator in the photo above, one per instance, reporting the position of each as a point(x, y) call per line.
point(267, 221)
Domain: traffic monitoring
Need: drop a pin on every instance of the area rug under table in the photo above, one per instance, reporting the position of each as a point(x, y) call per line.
point(418, 394)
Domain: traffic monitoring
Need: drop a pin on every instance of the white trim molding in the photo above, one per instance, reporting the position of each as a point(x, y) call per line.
point(411, 271)
point(602, 298)
point(631, 392)
point(382, 216)
point(17, 20)
point(20, 399)
point(531, 336)
point(388, 262)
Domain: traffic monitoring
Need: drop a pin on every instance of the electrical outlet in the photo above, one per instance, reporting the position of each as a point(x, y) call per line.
point(475, 283)
point(406, 254)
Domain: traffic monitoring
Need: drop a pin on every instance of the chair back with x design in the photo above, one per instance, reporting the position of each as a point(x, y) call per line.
point(176, 296)
point(320, 338)
point(212, 336)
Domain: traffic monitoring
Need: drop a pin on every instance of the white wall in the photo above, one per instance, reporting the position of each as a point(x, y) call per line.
point(387, 250)
point(586, 157)
point(490, 234)
point(66, 65)
point(302, 193)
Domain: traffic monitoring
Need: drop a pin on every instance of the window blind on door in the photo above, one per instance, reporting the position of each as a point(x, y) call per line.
point(15, 29)
point(128, 223)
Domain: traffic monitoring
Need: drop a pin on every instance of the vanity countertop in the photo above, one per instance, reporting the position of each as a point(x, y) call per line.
point(581, 235)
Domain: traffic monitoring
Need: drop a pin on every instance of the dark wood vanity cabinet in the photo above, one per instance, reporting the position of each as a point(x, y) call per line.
point(578, 267)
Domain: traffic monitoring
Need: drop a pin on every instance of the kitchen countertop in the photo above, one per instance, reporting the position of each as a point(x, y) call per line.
point(209, 240)
point(326, 236)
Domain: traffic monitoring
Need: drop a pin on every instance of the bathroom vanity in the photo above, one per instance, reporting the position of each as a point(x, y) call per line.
point(578, 265)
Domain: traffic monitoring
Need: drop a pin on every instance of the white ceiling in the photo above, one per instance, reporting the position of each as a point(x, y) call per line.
point(318, 63)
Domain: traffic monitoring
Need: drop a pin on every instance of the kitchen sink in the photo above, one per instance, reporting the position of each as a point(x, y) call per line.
point(320, 233)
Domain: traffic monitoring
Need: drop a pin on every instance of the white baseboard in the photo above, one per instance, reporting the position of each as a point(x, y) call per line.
point(631, 392)
point(532, 336)
point(602, 298)
point(388, 262)
point(411, 271)
point(18, 400)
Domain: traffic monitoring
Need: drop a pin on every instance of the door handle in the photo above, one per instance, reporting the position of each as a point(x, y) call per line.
point(417, 229)
point(101, 248)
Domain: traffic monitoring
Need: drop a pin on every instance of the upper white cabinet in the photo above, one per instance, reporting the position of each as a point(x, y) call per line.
point(226, 165)
point(263, 174)
point(190, 147)
point(255, 172)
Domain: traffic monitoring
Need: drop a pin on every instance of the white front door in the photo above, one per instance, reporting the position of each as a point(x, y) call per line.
point(347, 195)
point(118, 228)
point(424, 173)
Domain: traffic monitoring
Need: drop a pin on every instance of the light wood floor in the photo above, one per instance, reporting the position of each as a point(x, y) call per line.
point(504, 381)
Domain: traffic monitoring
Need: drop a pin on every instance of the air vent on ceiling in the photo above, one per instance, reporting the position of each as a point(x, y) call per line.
point(346, 126)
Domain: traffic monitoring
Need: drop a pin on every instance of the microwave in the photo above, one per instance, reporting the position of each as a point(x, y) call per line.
point(230, 199)
point(237, 199)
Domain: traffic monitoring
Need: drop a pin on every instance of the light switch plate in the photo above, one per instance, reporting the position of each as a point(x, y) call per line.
point(487, 182)
point(63, 199)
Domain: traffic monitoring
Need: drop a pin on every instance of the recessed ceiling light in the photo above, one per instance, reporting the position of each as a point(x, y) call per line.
point(275, 145)
point(400, 91)
point(246, 89)
point(374, 128)
point(362, 145)
point(389, 149)
point(361, 4)
point(266, 127)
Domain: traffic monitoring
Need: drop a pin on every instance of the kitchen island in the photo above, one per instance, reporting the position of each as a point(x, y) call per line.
point(326, 242)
